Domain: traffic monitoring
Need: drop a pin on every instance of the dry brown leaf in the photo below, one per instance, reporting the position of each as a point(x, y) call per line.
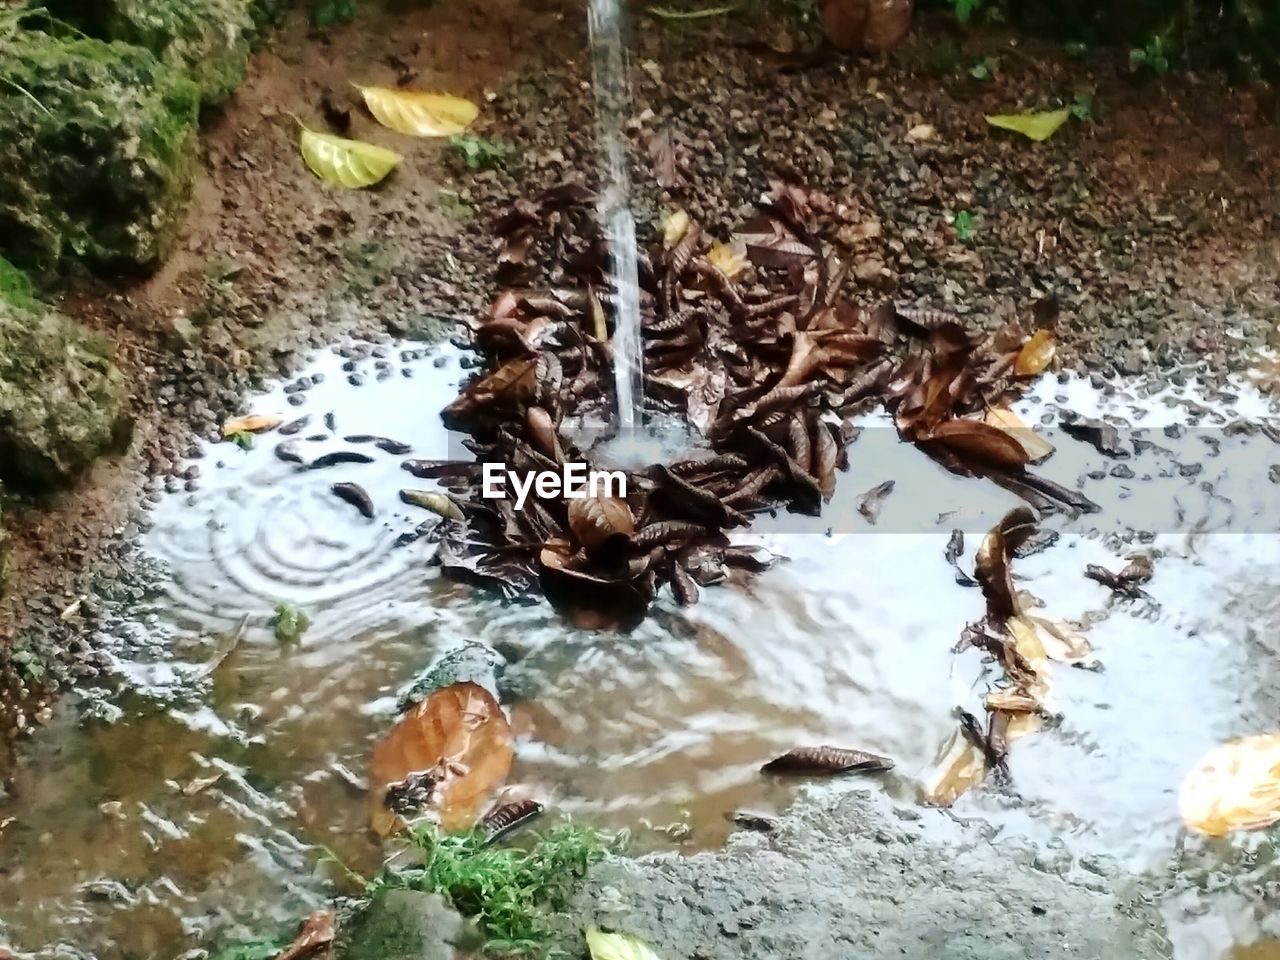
point(253, 423)
point(979, 443)
point(599, 523)
point(317, 931)
point(1037, 448)
point(991, 564)
point(511, 383)
point(816, 761)
point(1036, 354)
point(1235, 786)
point(459, 734)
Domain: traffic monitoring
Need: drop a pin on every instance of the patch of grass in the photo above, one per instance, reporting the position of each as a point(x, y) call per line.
point(509, 892)
point(1154, 55)
point(479, 153)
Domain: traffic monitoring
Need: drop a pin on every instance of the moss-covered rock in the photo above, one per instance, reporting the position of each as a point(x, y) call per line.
point(62, 400)
point(207, 40)
point(97, 149)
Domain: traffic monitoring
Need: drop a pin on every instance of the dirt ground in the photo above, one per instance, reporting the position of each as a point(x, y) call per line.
point(1155, 223)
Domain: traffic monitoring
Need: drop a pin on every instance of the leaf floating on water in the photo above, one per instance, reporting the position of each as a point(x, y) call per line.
point(337, 457)
point(1036, 447)
point(506, 817)
point(869, 503)
point(1062, 642)
point(728, 259)
point(417, 113)
point(438, 503)
point(991, 565)
point(253, 423)
point(1235, 786)
point(1038, 126)
point(618, 946)
point(817, 761)
point(961, 768)
point(289, 623)
point(1036, 354)
point(355, 495)
point(317, 931)
point(979, 443)
point(343, 162)
point(460, 740)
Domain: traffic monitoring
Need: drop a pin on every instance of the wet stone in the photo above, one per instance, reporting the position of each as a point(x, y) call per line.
point(408, 925)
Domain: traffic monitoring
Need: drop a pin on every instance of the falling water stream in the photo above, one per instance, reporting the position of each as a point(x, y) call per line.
point(612, 86)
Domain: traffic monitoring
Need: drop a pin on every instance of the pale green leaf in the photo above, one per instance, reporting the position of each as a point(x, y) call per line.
point(618, 946)
point(1037, 126)
point(345, 163)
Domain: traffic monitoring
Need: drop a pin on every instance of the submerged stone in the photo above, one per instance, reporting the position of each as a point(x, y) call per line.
point(100, 143)
point(62, 400)
point(207, 40)
point(472, 662)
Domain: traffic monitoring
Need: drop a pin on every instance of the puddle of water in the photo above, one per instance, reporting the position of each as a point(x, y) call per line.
point(125, 844)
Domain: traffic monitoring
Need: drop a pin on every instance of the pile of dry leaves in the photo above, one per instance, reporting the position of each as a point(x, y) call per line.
point(757, 344)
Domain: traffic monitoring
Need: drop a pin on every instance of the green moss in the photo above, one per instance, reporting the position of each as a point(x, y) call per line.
point(99, 151)
point(207, 40)
point(62, 400)
point(15, 285)
point(508, 891)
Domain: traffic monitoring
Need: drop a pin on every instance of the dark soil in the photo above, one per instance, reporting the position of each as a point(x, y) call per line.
point(1155, 224)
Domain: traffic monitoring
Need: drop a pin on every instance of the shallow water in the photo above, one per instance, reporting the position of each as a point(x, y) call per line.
point(194, 801)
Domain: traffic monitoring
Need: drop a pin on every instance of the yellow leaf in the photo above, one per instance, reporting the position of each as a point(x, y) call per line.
point(1036, 354)
point(343, 162)
point(1235, 786)
point(419, 114)
point(253, 423)
point(727, 259)
point(674, 227)
point(961, 768)
point(618, 946)
point(1037, 447)
point(1036, 126)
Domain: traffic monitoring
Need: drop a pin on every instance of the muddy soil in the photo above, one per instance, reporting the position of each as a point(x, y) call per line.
point(1155, 225)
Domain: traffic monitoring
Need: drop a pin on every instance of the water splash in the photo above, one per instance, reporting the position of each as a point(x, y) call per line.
point(610, 79)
